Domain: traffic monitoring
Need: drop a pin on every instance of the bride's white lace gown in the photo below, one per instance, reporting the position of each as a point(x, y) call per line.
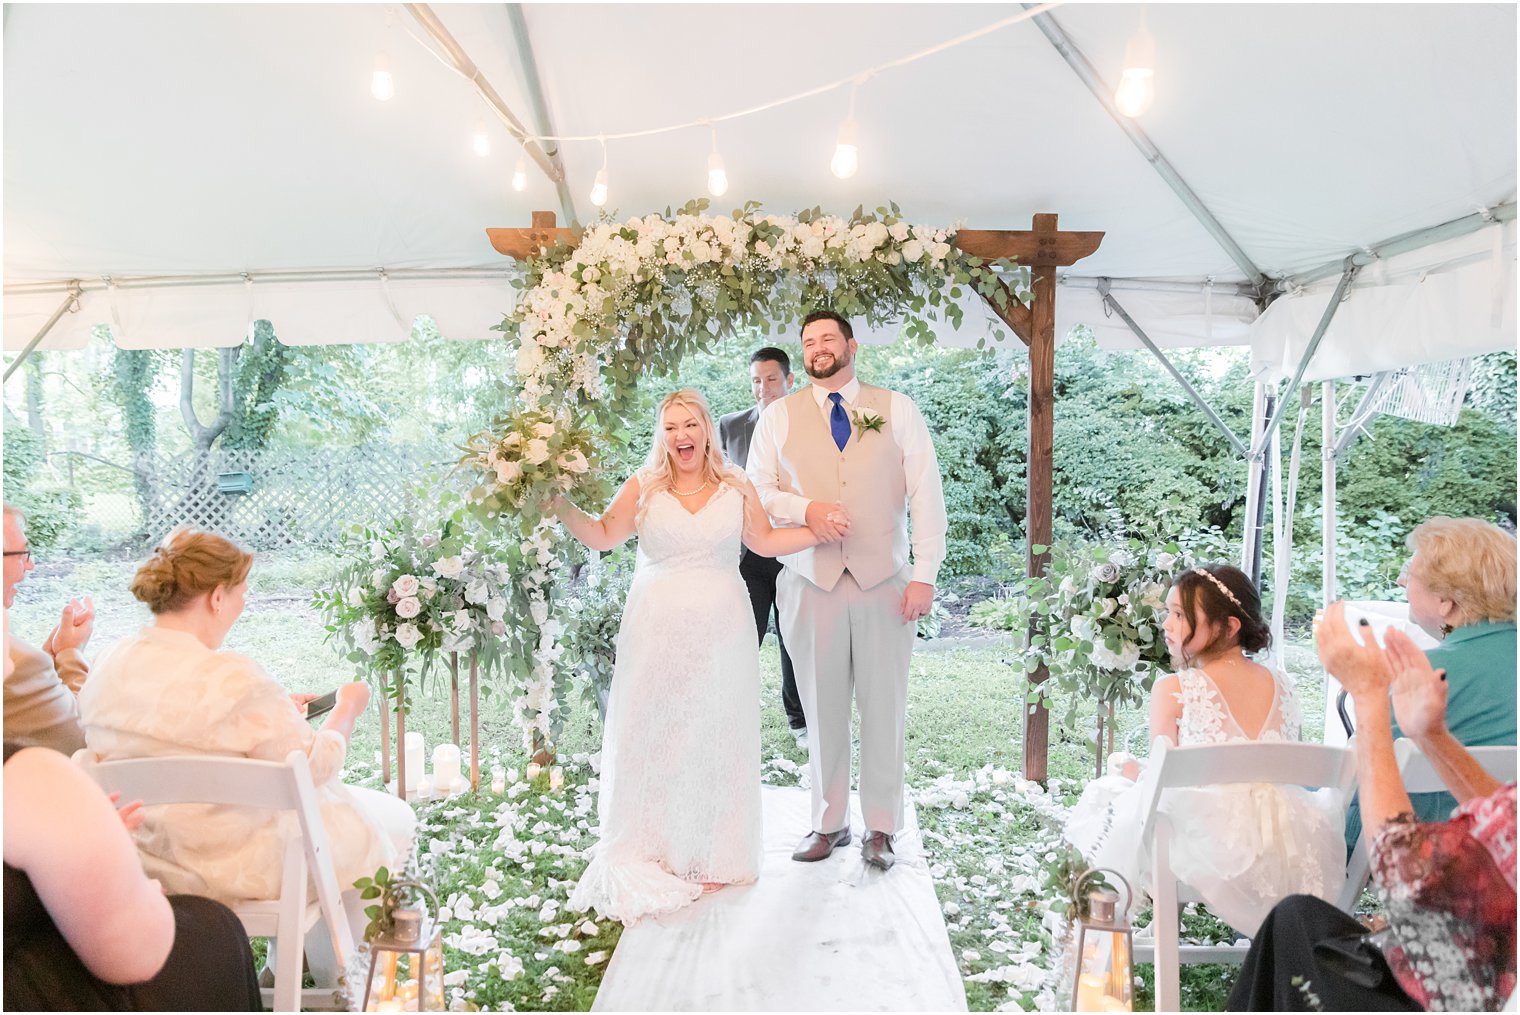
point(1243, 847)
point(679, 802)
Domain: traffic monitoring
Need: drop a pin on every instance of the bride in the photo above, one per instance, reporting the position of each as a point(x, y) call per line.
point(679, 804)
point(1243, 847)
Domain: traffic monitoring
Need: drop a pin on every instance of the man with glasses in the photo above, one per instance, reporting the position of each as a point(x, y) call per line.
point(41, 683)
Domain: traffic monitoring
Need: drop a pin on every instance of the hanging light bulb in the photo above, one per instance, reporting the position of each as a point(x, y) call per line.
point(381, 85)
point(1137, 86)
point(717, 177)
point(599, 188)
point(482, 139)
point(846, 154)
point(520, 174)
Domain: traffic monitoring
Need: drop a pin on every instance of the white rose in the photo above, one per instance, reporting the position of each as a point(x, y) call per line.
point(540, 610)
point(448, 567)
point(1166, 561)
point(574, 461)
point(1125, 658)
point(476, 592)
point(1068, 586)
point(408, 608)
point(1105, 573)
point(899, 231)
point(1110, 604)
point(364, 638)
point(940, 251)
point(407, 636)
point(508, 473)
point(356, 597)
point(376, 551)
point(1084, 628)
point(511, 440)
point(544, 429)
point(537, 453)
point(912, 250)
point(379, 579)
point(496, 607)
point(529, 358)
point(812, 247)
point(406, 585)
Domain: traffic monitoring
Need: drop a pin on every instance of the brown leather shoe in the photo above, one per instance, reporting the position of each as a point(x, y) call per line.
point(818, 845)
point(876, 850)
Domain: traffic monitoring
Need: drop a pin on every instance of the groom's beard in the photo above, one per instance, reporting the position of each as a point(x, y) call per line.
point(836, 364)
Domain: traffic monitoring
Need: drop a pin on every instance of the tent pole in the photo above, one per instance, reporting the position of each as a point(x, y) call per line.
point(1198, 400)
point(1357, 424)
point(1250, 530)
point(535, 83)
point(1084, 70)
point(465, 66)
point(1351, 268)
point(63, 308)
point(1327, 489)
point(1411, 241)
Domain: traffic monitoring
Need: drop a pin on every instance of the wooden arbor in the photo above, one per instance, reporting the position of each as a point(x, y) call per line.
point(1043, 249)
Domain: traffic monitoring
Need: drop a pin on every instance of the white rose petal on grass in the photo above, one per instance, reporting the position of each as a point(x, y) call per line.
point(509, 966)
point(569, 946)
point(589, 928)
point(455, 979)
point(490, 889)
point(596, 958)
point(971, 956)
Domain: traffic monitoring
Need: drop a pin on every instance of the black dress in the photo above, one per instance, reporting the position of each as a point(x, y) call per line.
point(209, 968)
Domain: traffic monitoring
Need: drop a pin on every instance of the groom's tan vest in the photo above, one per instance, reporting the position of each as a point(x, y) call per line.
point(866, 477)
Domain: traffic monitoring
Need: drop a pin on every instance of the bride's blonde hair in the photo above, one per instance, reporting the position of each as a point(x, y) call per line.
point(660, 467)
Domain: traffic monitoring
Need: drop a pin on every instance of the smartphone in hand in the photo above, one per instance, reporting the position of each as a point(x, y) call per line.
point(321, 706)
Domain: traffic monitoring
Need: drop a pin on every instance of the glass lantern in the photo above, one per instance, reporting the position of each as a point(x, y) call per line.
point(406, 958)
point(1104, 979)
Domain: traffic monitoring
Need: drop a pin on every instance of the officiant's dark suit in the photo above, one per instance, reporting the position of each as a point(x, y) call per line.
point(734, 432)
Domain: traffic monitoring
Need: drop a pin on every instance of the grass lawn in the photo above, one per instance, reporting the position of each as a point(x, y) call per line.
point(504, 866)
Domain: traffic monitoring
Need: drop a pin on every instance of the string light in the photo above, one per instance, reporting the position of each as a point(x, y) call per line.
point(717, 177)
point(381, 85)
point(482, 139)
point(1137, 86)
point(599, 187)
point(520, 174)
point(847, 152)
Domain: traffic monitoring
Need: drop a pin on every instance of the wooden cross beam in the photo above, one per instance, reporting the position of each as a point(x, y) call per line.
point(1043, 249)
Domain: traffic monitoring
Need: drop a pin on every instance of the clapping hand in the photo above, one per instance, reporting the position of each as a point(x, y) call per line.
point(1361, 667)
point(1419, 692)
point(74, 629)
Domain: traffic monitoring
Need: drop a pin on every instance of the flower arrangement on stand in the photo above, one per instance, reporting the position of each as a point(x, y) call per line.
point(636, 296)
point(1102, 605)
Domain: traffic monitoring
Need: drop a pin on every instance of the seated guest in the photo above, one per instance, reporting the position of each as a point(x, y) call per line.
point(1241, 846)
point(170, 690)
point(41, 683)
point(85, 929)
point(1448, 887)
point(1461, 587)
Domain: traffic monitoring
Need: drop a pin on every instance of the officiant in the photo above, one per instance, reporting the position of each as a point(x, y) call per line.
point(770, 374)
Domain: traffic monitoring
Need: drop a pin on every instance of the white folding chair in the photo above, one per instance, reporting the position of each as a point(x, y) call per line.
point(1290, 764)
point(1418, 776)
point(243, 782)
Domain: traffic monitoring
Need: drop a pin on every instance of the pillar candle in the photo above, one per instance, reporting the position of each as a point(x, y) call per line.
point(556, 777)
point(532, 770)
point(445, 767)
point(416, 760)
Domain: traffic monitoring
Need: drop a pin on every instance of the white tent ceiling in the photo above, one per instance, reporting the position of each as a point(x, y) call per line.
point(218, 140)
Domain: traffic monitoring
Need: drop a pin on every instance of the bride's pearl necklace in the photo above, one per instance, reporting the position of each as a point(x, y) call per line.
point(691, 493)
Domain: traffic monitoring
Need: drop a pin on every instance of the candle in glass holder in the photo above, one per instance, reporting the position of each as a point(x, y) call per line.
point(445, 767)
point(556, 777)
point(498, 780)
point(390, 1004)
point(424, 788)
point(416, 760)
point(532, 770)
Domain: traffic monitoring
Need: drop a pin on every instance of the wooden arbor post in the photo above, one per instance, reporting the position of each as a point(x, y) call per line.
point(1044, 249)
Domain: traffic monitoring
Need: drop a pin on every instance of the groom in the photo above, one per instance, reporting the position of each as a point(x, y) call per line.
point(849, 609)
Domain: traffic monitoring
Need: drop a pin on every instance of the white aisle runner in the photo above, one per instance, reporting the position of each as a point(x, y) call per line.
point(830, 936)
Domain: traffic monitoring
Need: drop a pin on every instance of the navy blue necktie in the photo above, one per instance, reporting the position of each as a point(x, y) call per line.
point(839, 423)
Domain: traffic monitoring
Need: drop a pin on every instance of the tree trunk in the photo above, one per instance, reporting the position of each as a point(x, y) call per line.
point(212, 504)
point(34, 399)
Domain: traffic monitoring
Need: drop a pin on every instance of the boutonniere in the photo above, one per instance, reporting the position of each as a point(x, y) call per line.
point(867, 421)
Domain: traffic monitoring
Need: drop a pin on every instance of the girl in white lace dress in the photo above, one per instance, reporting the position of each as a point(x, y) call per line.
point(679, 804)
point(1243, 847)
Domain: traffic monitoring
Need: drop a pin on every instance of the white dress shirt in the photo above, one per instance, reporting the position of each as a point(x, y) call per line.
point(926, 498)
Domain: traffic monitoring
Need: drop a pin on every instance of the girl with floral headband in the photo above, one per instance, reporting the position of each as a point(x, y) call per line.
point(1242, 847)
